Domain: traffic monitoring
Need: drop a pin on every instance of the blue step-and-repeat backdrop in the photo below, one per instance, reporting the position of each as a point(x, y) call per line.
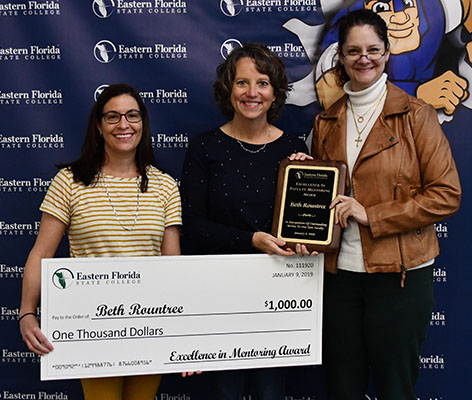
point(57, 55)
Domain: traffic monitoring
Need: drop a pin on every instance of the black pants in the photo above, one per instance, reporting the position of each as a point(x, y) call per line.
point(371, 323)
point(260, 383)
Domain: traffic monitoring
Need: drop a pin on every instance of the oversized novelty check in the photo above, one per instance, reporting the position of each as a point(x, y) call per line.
point(142, 315)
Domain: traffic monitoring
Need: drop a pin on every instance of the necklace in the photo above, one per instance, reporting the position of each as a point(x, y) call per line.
point(361, 118)
point(249, 150)
point(102, 175)
point(246, 149)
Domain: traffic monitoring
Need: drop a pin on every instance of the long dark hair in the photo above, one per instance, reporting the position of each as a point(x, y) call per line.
point(92, 154)
point(266, 63)
point(346, 23)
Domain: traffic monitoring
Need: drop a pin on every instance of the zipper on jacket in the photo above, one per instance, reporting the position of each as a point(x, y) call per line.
point(403, 269)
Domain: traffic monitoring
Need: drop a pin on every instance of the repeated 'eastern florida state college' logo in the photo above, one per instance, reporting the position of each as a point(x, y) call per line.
point(103, 8)
point(99, 90)
point(104, 51)
point(231, 8)
point(228, 46)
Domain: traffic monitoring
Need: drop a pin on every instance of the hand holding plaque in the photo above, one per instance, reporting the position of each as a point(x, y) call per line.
point(305, 189)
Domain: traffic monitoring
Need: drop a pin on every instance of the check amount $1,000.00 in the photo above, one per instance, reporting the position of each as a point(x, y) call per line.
point(288, 304)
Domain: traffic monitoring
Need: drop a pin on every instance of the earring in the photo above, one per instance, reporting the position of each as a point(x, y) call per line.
point(100, 132)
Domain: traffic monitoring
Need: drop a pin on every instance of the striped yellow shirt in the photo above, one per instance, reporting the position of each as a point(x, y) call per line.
point(93, 228)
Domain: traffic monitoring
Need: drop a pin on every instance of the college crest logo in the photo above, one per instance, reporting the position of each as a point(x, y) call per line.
point(104, 51)
point(228, 46)
point(62, 278)
point(231, 8)
point(98, 91)
point(299, 175)
point(103, 8)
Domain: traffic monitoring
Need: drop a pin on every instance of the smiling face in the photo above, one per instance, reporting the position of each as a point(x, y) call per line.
point(123, 137)
point(403, 26)
point(252, 93)
point(363, 39)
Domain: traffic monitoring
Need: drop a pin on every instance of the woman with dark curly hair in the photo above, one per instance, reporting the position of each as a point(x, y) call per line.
point(229, 182)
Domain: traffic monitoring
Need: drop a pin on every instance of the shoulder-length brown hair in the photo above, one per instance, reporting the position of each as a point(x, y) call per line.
point(266, 63)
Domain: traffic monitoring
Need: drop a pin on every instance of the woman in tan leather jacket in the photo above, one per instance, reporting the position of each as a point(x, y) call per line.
point(402, 179)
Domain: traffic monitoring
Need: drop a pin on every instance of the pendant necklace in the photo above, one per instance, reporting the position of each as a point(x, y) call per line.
point(102, 175)
point(360, 118)
point(249, 150)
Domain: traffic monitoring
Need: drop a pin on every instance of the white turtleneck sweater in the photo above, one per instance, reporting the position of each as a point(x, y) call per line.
point(368, 103)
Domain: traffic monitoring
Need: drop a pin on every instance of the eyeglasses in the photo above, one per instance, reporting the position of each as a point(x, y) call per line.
point(372, 55)
point(114, 117)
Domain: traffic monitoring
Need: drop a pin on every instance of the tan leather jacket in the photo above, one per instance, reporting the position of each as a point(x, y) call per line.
point(405, 177)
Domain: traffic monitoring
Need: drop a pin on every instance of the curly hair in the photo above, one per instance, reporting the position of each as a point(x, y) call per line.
point(266, 63)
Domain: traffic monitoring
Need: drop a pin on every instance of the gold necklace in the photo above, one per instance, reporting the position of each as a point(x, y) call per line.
point(361, 131)
point(102, 175)
point(241, 144)
point(360, 117)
